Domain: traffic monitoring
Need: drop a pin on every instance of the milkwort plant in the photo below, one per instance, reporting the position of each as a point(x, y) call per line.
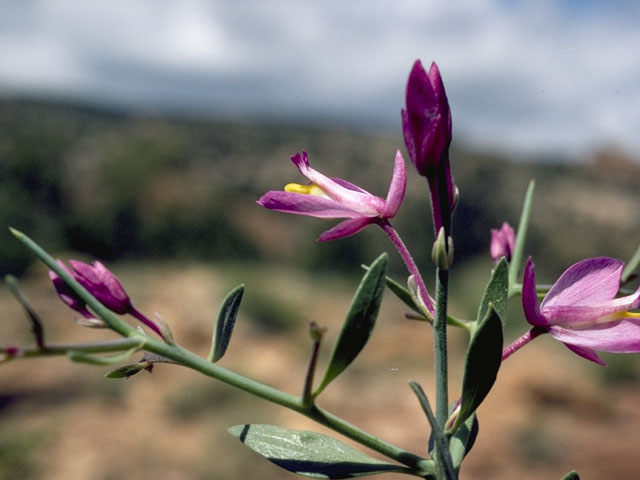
point(584, 310)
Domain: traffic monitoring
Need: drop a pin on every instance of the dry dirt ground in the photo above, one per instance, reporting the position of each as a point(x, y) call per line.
point(549, 413)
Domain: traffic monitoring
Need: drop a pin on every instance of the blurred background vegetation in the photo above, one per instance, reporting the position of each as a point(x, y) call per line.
point(121, 186)
point(169, 203)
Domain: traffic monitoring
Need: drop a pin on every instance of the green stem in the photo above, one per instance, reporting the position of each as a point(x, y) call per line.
point(33, 351)
point(190, 360)
point(440, 343)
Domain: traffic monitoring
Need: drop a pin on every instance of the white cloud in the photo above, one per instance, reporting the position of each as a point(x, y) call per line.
point(528, 75)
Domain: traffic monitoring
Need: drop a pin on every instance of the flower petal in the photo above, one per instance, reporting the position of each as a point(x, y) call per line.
point(346, 228)
point(302, 204)
point(595, 313)
point(530, 303)
point(397, 187)
point(586, 353)
point(587, 282)
point(367, 204)
point(622, 336)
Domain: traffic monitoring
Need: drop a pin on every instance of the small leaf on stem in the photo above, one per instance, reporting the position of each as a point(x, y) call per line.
point(359, 322)
point(36, 323)
point(484, 356)
point(496, 293)
point(225, 322)
point(310, 454)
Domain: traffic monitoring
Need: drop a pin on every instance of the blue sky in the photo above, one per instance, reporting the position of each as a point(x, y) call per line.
point(528, 76)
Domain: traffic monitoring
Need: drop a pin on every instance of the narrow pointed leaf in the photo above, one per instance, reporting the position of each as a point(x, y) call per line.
point(34, 319)
point(496, 293)
point(225, 323)
point(81, 357)
point(127, 371)
point(359, 322)
point(310, 454)
point(521, 236)
point(631, 266)
point(484, 356)
point(437, 435)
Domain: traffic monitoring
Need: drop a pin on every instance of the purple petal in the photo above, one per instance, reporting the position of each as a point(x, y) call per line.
point(530, 303)
point(302, 204)
point(622, 336)
point(587, 282)
point(581, 314)
point(409, 138)
point(352, 196)
point(397, 187)
point(586, 353)
point(346, 228)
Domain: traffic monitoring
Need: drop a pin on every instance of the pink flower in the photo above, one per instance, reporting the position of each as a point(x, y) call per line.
point(503, 242)
point(581, 309)
point(328, 197)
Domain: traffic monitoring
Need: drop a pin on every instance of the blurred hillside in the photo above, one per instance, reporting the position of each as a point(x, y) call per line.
point(175, 200)
point(116, 185)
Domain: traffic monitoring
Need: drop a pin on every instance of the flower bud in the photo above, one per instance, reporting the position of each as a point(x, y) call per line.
point(503, 242)
point(103, 285)
point(67, 295)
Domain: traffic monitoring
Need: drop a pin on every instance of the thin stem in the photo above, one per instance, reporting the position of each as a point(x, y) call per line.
point(522, 341)
point(440, 339)
point(190, 360)
point(307, 397)
point(410, 263)
point(33, 351)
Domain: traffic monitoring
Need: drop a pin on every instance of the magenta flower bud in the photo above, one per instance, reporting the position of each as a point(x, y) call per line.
point(503, 242)
point(426, 126)
point(103, 285)
point(66, 294)
point(582, 311)
point(426, 122)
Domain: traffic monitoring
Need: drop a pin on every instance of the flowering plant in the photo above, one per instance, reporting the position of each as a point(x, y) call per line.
point(585, 309)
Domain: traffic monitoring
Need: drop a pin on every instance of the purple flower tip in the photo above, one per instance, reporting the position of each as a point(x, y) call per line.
point(326, 197)
point(103, 285)
point(426, 121)
point(503, 242)
point(581, 309)
point(67, 295)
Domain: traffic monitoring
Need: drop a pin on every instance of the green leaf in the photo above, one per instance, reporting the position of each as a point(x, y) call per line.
point(462, 441)
point(496, 293)
point(127, 370)
point(631, 266)
point(36, 323)
point(572, 475)
point(437, 436)
point(225, 323)
point(521, 236)
point(310, 454)
point(484, 356)
point(81, 357)
point(359, 322)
